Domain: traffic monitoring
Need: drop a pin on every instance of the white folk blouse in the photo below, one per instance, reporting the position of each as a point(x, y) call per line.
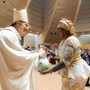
point(75, 75)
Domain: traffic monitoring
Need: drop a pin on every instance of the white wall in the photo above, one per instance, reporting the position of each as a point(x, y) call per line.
point(32, 40)
point(37, 40)
point(29, 40)
point(85, 41)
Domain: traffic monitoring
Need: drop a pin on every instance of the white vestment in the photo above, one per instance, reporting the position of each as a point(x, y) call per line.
point(16, 64)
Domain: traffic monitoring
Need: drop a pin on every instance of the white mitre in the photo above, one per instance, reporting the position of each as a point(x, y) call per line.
point(20, 15)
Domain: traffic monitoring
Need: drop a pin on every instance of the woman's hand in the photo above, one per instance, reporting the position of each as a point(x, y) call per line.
point(47, 71)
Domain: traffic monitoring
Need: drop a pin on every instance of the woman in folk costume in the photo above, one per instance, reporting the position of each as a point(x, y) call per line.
point(72, 67)
point(16, 63)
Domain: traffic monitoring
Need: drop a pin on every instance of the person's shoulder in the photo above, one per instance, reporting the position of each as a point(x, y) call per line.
point(72, 38)
point(73, 41)
point(6, 33)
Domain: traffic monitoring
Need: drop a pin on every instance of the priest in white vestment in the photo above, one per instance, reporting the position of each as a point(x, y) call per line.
point(16, 64)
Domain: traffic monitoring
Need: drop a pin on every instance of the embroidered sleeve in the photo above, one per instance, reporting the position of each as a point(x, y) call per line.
point(69, 52)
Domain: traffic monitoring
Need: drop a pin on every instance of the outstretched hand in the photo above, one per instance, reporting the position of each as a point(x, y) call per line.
point(47, 72)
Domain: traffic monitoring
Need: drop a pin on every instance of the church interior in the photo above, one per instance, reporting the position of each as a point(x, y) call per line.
point(43, 17)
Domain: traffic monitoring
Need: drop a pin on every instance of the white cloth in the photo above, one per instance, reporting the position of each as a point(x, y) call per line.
point(16, 64)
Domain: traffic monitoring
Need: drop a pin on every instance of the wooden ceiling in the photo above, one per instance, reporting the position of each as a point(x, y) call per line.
point(6, 10)
point(44, 15)
point(64, 9)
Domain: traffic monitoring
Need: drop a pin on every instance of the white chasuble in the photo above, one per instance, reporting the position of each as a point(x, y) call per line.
point(16, 64)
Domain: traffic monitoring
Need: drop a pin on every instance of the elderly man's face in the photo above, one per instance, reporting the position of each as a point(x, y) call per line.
point(22, 28)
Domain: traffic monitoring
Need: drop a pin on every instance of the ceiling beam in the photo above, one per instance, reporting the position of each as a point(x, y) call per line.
point(27, 4)
point(77, 11)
